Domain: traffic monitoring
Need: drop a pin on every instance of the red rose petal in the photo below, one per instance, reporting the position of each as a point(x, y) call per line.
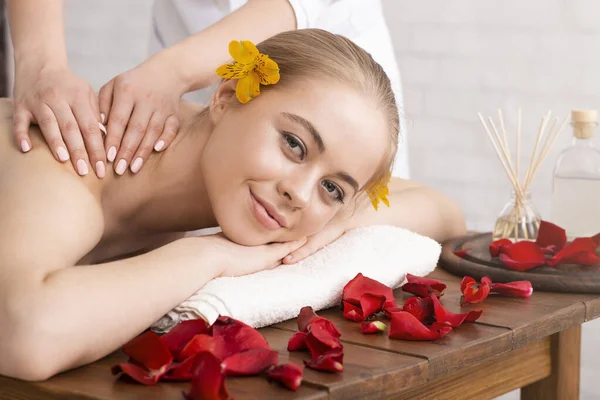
point(421, 308)
point(580, 251)
point(208, 382)
point(305, 317)
point(137, 373)
point(250, 362)
point(472, 294)
point(455, 320)
point(512, 289)
point(320, 339)
point(461, 253)
point(372, 327)
point(596, 239)
point(465, 282)
point(237, 336)
point(148, 350)
point(390, 310)
point(330, 361)
point(423, 286)
point(550, 234)
point(179, 371)
point(182, 333)
point(361, 285)
point(289, 374)
point(406, 326)
point(352, 312)
point(371, 304)
point(297, 342)
point(522, 256)
point(496, 245)
point(200, 343)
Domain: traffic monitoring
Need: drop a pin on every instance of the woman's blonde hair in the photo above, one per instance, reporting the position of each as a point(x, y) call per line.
point(315, 53)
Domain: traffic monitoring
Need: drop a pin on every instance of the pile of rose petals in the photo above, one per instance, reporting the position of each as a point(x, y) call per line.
point(550, 248)
point(204, 355)
point(321, 337)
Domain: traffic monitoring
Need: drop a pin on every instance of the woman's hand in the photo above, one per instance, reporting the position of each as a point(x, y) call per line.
point(317, 241)
point(142, 107)
point(66, 109)
point(240, 260)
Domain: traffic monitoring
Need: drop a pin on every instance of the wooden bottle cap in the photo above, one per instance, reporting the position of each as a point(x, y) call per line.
point(584, 122)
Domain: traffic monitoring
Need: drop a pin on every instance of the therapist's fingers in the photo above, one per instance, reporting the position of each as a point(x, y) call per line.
point(154, 130)
point(87, 115)
point(105, 98)
point(136, 129)
point(118, 119)
point(73, 137)
point(169, 132)
point(21, 121)
point(46, 120)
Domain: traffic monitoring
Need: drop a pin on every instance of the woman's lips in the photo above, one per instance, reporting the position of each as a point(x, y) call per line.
point(262, 216)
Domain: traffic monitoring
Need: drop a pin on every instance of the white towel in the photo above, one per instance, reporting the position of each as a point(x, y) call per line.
point(385, 253)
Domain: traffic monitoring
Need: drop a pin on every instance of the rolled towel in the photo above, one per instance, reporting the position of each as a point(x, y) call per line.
point(381, 252)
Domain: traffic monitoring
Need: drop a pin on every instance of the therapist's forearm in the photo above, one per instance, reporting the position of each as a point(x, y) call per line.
point(37, 32)
point(196, 58)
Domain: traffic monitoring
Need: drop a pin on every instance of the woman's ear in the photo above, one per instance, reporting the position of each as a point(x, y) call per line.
point(222, 99)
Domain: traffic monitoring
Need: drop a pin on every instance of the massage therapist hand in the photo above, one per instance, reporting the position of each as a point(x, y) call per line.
point(240, 260)
point(66, 109)
point(142, 107)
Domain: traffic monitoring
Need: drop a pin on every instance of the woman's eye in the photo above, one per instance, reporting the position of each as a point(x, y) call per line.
point(295, 145)
point(334, 191)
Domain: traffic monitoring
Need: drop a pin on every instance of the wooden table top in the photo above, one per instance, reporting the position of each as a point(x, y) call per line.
point(374, 365)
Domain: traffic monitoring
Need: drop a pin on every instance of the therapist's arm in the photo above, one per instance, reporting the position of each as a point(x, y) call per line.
point(146, 98)
point(47, 92)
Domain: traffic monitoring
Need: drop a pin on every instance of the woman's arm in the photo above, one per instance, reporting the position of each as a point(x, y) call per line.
point(415, 207)
point(55, 316)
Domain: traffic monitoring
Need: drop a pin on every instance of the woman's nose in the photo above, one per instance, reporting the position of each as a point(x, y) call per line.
point(297, 190)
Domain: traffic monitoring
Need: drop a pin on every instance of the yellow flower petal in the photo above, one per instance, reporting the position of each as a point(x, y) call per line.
point(267, 69)
point(233, 71)
point(244, 52)
point(247, 88)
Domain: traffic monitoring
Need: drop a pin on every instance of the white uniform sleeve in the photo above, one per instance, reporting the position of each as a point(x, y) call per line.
point(307, 11)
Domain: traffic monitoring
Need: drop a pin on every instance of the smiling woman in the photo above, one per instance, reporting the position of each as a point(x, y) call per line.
point(87, 264)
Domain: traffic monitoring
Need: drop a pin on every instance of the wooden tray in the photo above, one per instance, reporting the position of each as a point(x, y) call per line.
point(478, 263)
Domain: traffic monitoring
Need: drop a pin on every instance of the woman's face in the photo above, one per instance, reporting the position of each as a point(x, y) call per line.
point(283, 165)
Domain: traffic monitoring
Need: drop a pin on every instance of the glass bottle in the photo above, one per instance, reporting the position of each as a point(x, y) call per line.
point(576, 181)
point(518, 220)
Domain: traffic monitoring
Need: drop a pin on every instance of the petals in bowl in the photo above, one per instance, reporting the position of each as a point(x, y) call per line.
point(551, 236)
point(496, 245)
point(580, 251)
point(522, 256)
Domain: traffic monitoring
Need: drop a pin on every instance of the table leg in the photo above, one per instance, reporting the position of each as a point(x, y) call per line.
point(563, 382)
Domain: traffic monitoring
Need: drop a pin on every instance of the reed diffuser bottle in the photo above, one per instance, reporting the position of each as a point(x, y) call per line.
point(576, 183)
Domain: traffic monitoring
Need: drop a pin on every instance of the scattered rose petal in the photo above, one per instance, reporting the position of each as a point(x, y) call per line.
point(461, 253)
point(405, 326)
point(182, 333)
point(137, 373)
point(208, 382)
point(372, 327)
point(179, 371)
point(472, 294)
point(297, 342)
point(390, 310)
point(289, 374)
point(250, 362)
point(596, 239)
point(512, 289)
point(237, 336)
point(371, 304)
point(361, 285)
point(330, 361)
point(352, 312)
point(455, 320)
point(423, 286)
point(421, 308)
point(580, 251)
point(550, 234)
point(149, 351)
point(496, 245)
point(319, 340)
point(306, 315)
point(200, 343)
point(522, 256)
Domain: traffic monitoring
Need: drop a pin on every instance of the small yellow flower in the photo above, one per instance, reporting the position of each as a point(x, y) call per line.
point(250, 68)
point(380, 192)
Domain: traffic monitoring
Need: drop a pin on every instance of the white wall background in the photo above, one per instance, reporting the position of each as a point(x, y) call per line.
point(457, 58)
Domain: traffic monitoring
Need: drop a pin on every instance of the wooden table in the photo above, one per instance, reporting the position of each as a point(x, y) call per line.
point(533, 344)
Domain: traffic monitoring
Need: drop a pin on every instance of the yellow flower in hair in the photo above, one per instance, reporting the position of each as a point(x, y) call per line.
point(380, 192)
point(250, 68)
